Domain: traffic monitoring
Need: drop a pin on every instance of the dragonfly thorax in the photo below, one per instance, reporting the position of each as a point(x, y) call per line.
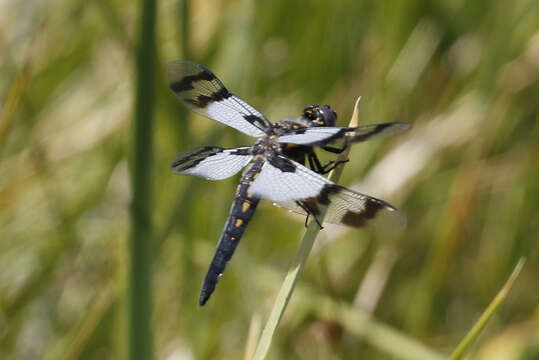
point(266, 146)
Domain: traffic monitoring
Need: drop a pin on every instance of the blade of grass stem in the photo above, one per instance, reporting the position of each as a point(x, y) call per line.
point(139, 310)
point(304, 250)
point(478, 327)
point(254, 332)
point(13, 99)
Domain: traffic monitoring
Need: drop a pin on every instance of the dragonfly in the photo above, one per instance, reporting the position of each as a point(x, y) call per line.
point(276, 164)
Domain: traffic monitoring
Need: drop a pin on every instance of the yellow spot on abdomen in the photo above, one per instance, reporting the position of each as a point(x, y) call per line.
point(245, 206)
point(238, 223)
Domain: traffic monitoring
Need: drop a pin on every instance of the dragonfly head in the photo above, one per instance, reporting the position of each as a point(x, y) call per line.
point(320, 115)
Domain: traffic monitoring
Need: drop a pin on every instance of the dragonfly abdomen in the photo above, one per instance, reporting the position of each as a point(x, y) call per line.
point(241, 212)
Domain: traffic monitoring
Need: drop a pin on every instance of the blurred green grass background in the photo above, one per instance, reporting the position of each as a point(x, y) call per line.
point(465, 74)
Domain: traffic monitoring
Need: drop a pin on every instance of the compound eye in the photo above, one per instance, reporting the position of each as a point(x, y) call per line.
point(311, 113)
point(320, 120)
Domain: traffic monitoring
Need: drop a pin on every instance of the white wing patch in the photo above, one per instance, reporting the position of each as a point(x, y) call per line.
point(211, 162)
point(312, 135)
point(274, 184)
point(231, 112)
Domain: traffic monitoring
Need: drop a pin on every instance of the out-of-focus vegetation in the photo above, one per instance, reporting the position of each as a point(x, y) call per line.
point(465, 73)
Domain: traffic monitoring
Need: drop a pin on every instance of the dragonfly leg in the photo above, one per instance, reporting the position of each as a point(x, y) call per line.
point(309, 212)
point(332, 165)
point(315, 164)
point(336, 150)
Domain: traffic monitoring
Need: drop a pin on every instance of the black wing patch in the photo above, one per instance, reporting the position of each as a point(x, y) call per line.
point(201, 91)
point(376, 131)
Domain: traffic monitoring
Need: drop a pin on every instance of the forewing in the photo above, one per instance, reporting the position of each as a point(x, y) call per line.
point(313, 136)
point(201, 91)
point(325, 135)
point(290, 184)
point(211, 162)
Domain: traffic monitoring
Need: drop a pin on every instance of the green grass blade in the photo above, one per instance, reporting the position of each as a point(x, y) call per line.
point(13, 99)
point(472, 335)
point(286, 290)
point(139, 312)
